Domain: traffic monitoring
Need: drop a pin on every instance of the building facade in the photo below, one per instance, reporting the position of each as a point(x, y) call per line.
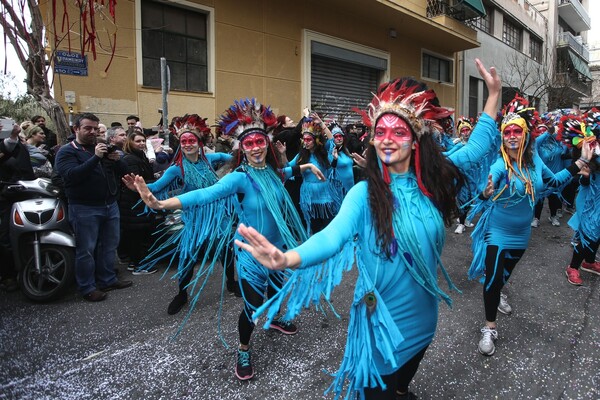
point(328, 55)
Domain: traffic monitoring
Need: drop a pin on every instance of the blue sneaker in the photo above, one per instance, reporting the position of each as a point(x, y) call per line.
point(243, 367)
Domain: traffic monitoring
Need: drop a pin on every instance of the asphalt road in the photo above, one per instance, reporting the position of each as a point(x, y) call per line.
point(122, 348)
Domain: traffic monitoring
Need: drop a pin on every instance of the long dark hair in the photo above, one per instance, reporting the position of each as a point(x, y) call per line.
point(440, 177)
point(319, 152)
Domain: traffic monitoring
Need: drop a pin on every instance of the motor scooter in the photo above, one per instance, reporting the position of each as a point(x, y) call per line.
point(42, 241)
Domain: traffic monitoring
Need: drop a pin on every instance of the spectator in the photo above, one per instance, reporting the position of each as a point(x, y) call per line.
point(14, 165)
point(51, 139)
point(117, 137)
point(91, 185)
point(116, 124)
point(136, 226)
point(34, 136)
point(132, 121)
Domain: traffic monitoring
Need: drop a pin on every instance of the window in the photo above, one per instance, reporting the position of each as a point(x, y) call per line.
point(180, 35)
point(535, 49)
point(437, 69)
point(473, 96)
point(484, 23)
point(511, 34)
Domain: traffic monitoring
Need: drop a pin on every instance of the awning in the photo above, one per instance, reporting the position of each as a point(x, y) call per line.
point(580, 65)
point(470, 8)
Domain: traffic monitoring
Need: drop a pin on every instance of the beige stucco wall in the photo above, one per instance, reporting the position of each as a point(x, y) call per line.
point(258, 53)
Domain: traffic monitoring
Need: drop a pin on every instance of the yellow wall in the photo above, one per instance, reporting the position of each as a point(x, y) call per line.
point(258, 53)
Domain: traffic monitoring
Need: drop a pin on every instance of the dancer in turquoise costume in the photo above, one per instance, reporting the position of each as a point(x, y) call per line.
point(318, 199)
point(552, 153)
point(262, 201)
point(586, 221)
point(516, 181)
point(398, 216)
point(192, 169)
point(340, 158)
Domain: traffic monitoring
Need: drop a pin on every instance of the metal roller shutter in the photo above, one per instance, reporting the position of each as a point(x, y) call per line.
point(338, 86)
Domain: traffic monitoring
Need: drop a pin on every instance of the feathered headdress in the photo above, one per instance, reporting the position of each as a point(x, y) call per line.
point(411, 101)
point(192, 123)
point(572, 131)
point(462, 123)
point(517, 112)
point(592, 119)
point(247, 116)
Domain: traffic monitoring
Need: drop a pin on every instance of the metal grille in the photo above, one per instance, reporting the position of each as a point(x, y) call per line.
point(338, 86)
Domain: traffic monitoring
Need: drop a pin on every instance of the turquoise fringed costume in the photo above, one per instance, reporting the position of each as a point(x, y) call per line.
point(586, 221)
point(395, 307)
point(262, 202)
point(317, 198)
point(343, 169)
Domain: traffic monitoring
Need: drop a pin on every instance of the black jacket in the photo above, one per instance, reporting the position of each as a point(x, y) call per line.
point(130, 206)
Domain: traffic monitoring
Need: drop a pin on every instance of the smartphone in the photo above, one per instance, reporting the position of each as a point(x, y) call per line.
point(7, 127)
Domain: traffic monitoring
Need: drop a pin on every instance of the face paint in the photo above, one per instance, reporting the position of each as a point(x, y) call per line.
point(188, 139)
point(512, 136)
point(393, 141)
point(338, 137)
point(254, 140)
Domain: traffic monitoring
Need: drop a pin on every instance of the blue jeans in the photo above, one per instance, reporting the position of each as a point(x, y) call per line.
point(96, 237)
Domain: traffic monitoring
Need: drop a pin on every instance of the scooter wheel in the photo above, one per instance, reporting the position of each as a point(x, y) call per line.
point(56, 276)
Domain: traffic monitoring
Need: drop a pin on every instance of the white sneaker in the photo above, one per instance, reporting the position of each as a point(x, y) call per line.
point(460, 229)
point(559, 213)
point(469, 224)
point(554, 220)
point(486, 344)
point(503, 306)
point(535, 223)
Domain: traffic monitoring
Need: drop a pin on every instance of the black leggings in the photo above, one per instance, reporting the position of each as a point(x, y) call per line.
point(587, 253)
point(398, 381)
point(498, 268)
point(226, 257)
point(553, 202)
point(253, 300)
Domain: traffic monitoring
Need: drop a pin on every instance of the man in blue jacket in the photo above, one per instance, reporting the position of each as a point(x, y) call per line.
point(91, 176)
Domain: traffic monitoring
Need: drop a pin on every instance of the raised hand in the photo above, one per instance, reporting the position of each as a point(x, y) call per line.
point(145, 193)
point(261, 249)
point(359, 160)
point(281, 148)
point(129, 181)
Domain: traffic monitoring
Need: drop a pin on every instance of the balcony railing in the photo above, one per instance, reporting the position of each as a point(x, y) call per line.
point(451, 8)
point(571, 80)
point(572, 11)
point(567, 39)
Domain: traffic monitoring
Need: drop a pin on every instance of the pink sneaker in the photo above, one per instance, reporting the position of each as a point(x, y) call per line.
point(573, 276)
point(594, 267)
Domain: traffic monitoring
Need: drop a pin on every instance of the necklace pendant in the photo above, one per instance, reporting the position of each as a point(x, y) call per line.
point(370, 301)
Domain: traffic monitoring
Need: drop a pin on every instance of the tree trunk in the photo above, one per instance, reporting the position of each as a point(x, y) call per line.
point(57, 115)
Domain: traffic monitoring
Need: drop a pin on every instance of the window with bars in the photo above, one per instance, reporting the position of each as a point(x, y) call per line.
point(438, 69)
point(535, 49)
point(484, 23)
point(179, 35)
point(511, 34)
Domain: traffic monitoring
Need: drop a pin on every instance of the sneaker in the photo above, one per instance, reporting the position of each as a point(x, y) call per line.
point(554, 220)
point(573, 276)
point(570, 210)
point(468, 224)
point(503, 306)
point(148, 271)
point(460, 229)
point(243, 367)
point(594, 267)
point(559, 213)
point(131, 267)
point(285, 327)
point(177, 303)
point(535, 223)
point(486, 344)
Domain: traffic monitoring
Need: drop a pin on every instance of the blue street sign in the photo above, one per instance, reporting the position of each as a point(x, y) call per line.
point(70, 63)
